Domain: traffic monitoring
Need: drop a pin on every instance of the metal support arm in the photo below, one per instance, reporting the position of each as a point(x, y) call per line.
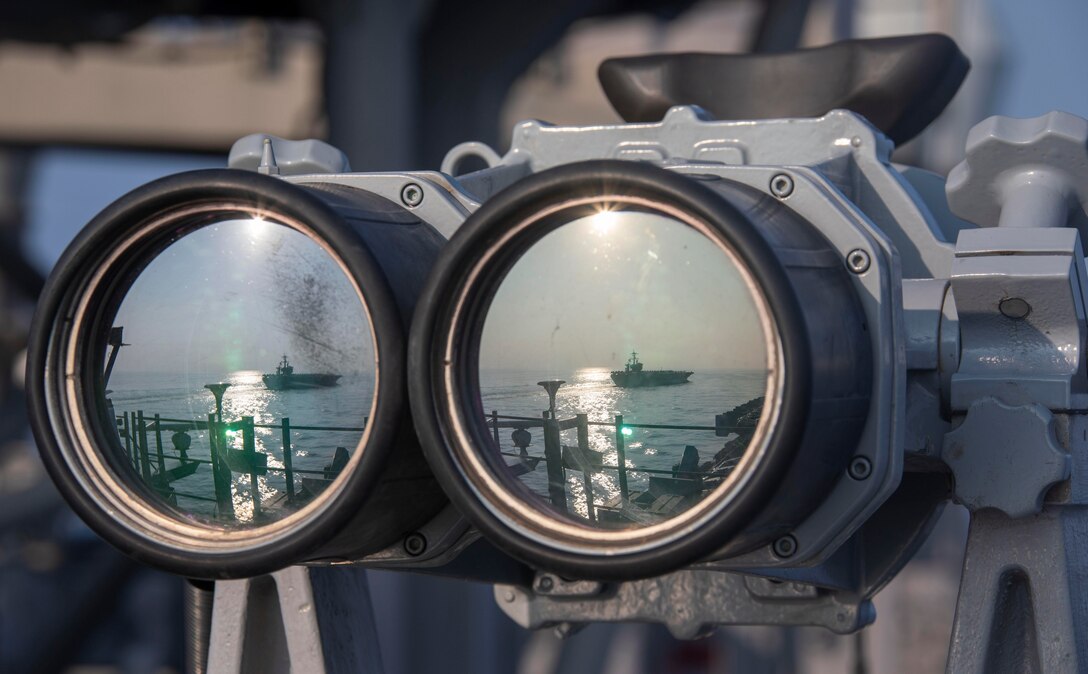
point(302, 619)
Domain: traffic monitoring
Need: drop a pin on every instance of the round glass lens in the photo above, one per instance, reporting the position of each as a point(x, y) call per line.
point(623, 369)
point(238, 373)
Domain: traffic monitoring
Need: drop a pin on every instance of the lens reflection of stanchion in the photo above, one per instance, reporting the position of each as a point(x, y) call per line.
point(621, 461)
point(553, 456)
point(217, 442)
point(586, 464)
point(249, 451)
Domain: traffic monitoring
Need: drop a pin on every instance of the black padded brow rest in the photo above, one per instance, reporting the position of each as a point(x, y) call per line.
point(900, 84)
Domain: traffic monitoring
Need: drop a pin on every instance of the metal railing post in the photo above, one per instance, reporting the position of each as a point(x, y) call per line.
point(141, 443)
point(587, 469)
point(249, 450)
point(221, 475)
point(288, 467)
point(621, 461)
point(553, 455)
point(158, 450)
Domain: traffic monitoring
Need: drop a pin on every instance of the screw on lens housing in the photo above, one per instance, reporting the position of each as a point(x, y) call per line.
point(411, 195)
point(860, 468)
point(785, 547)
point(858, 261)
point(781, 185)
point(415, 544)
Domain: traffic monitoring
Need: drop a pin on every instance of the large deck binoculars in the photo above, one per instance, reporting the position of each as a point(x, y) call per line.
point(728, 336)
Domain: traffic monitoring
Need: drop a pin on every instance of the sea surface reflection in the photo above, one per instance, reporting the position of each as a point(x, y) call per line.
point(318, 422)
point(658, 425)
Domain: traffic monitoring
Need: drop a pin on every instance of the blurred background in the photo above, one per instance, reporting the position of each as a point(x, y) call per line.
point(100, 96)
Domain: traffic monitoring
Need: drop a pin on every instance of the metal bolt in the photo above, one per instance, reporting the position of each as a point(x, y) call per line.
point(411, 195)
point(781, 185)
point(857, 260)
point(860, 468)
point(508, 596)
point(785, 547)
point(545, 584)
point(564, 630)
point(415, 544)
point(1014, 308)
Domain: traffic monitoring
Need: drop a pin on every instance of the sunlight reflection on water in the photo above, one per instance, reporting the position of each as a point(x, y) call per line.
point(182, 398)
point(590, 391)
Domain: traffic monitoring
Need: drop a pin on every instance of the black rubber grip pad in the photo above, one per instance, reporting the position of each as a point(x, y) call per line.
point(900, 84)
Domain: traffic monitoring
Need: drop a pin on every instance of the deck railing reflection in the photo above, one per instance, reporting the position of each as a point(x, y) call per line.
point(142, 437)
point(683, 479)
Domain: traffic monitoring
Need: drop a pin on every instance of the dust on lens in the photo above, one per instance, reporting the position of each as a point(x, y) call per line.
point(239, 373)
point(623, 369)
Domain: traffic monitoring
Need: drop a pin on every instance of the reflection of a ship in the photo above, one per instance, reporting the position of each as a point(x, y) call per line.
point(633, 376)
point(286, 378)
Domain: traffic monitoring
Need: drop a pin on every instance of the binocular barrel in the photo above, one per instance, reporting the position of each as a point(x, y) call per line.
point(222, 370)
point(741, 302)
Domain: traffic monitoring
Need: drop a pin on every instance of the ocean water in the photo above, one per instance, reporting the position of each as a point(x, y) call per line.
point(182, 396)
point(590, 391)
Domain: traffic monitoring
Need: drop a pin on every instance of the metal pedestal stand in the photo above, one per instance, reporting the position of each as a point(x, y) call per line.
point(1023, 603)
point(302, 619)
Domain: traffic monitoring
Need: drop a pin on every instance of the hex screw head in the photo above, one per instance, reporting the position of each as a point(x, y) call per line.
point(858, 261)
point(781, 185)
point(411, 195)
point(415, 544)
point(785, 547)
point(544, 584)
point(860, 468)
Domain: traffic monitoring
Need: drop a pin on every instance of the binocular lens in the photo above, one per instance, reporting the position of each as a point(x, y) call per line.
point(607, 352)
point(239, 372)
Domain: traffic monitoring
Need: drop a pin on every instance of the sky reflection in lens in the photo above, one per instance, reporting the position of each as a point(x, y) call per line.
point(259, 307)
point(653, 332)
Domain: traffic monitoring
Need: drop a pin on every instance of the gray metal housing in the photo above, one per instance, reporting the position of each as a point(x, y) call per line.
point(979, 381)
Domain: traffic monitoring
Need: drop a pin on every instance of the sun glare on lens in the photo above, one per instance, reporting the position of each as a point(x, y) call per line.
point(603, 223)
point(257, 228)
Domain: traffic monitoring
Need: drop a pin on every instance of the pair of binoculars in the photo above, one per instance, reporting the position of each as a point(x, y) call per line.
point(616, 351)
